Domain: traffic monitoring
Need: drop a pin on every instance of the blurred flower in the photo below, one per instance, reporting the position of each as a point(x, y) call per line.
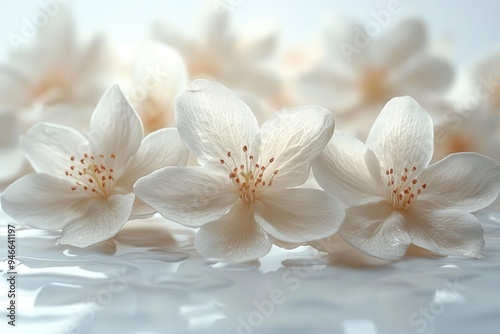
point(425, 205)
point(247, 172)
point(242, 61)
point(467, 131)
point(84, 185)
point(11, 156)
point(486, 74)
point(356, 82)
point(156, 76)
point(54, 69)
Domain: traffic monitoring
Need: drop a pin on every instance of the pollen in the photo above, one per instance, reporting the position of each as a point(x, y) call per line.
point(92, 175)
point(402, 191)
point(249, 178)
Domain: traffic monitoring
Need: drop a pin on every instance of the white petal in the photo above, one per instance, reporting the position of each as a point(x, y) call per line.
point(298, 215)
point(466, 181)
point(293, 137)
point(348, 170)
point(235, 237)
point(402, 136)
point(159, 149)
point(115, 127)
point(213, 120)
point(447, 232)
point(188, 195)
point(400, 43)
point(376, 229)
point(103, 220)
point(44, 201)
point(49, 147)
point(141, 210)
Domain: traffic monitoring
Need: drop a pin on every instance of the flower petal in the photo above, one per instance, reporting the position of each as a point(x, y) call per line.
point(213, 120)
point(44, 201)
point(115, 128)
point(402, 136)
point(103, 220)
point(159, 149)
point(188, 195)
point(293, 137)
point(235, 237)
point(348, 170)
point(49, 147)
point(376, 229)
point(298, 215)
point(466, 181)
point(448, 232)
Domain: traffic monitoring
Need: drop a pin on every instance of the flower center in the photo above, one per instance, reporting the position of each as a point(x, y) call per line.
point(402, 192)
point(250, 179)
point(90, 174)
point(372, 84)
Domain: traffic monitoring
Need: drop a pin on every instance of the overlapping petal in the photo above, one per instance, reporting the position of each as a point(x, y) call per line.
point(298, 215)
point(103, 220)
point(293, 137)
point(348, 170)
point(192, 196)
point(213, 120)
point(235, 237)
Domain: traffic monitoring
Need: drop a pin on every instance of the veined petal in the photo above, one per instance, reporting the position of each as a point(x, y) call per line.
point(191, 196)
point(44, 201)
point(141, 210)
point(213, 120)
point(102, 221)
point(115, 128)
point(348, 170)
point(49, 147)
point(235, 237)
point(293, 137)
point(448, 232)
point(402, 136)
point(376, 229)
point(298, 215)
point(466, 181)
point(159, 149)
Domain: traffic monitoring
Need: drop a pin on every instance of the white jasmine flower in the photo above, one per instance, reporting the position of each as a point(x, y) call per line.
point(242, 195)
point(395, 199)
point(83, 185)
point(362, 73)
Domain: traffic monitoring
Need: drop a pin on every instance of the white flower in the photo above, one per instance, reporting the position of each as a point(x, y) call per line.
point(355, 82)
point(83, 185)
point(240, 196)
point(395, 199)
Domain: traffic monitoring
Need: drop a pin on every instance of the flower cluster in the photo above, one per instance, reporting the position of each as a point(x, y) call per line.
point(248, 190)
point(225, 164)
